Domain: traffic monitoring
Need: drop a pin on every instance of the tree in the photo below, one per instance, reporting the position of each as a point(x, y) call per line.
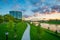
point(8, 18)
point(10, 25)
point(1, 19)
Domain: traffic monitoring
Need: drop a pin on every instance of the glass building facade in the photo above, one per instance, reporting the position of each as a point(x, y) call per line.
point(16, 14)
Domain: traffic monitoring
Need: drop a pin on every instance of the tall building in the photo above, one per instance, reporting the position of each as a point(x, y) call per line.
point(16, 14)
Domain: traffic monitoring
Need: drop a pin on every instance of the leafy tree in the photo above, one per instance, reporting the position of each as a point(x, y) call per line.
point(8, 17)
point(17, 20)
point(1, 19)
point(10, 25)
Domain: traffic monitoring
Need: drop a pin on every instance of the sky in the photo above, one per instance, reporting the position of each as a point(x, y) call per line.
point(28, 7)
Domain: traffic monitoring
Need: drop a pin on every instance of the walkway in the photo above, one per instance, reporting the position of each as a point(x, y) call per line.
point(26, 35)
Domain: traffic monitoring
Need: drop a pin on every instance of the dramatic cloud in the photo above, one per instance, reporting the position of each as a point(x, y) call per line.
point(44, 5)
point(36, 2)
point(31, 5)
point(37, 10)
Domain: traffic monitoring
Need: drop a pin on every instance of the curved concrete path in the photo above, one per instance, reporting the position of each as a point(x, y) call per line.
point(26, 35)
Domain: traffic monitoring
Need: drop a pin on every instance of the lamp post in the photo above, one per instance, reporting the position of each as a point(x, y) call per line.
point(6, 35)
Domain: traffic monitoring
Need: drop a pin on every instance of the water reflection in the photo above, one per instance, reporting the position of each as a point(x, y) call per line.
point(52, 27)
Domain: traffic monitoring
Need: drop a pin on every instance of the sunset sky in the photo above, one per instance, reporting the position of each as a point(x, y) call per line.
point(28, 7)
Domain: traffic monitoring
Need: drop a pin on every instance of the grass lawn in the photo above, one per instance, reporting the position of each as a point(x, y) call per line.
point(44, 35)
point(33, 33)
point(14, 30)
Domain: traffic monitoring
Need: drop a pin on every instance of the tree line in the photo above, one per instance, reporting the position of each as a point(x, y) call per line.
point(7, 18)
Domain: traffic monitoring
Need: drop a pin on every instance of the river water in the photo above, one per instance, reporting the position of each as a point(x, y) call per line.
point(52, 27)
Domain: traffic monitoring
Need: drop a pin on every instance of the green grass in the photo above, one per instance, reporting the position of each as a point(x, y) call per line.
point(33, 33)
point(20, 28)
point(3, 29)
point(44, 35)
point(48, 35)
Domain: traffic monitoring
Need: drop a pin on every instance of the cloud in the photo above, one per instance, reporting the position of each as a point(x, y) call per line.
point(42, 9)
point(55, 7)
point(44, 5)
point(16, 7)
point(37, 10)
point(58, 0)
point(23, 10)
point(35, 2)
point(43, 0)
point(15, 1)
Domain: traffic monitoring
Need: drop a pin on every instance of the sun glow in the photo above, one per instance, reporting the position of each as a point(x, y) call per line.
point(45, 16)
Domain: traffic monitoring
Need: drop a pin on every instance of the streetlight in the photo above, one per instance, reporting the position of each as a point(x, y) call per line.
point(6, 35)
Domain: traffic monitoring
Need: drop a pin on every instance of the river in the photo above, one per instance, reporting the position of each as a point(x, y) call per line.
point(52, 27)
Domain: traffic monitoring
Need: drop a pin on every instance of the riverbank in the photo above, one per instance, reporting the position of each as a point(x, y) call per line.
point(43, 35)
